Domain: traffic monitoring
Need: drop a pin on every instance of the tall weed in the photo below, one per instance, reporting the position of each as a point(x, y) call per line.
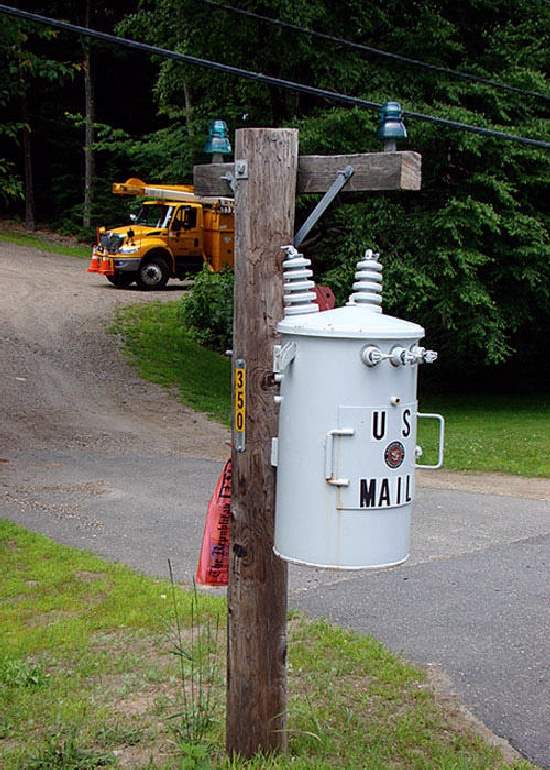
point(197, 652)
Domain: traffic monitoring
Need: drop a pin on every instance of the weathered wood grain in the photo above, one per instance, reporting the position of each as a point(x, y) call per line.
point(257, 594)
point(374, 171)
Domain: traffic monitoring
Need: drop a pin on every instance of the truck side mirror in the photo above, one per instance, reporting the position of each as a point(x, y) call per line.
point(176, 225)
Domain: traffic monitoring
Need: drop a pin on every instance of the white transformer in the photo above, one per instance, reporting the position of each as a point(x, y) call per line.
point(346, 451)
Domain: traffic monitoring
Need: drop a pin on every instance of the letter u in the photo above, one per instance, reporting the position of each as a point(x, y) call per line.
point(378, 425)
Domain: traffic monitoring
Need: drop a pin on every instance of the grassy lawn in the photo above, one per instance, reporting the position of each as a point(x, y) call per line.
point(509, 435)
point(44, 244)
point(499, 433)
point(157, 344)
point(89, 679)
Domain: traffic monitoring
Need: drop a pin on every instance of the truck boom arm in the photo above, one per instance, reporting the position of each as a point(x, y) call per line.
point(168, 192)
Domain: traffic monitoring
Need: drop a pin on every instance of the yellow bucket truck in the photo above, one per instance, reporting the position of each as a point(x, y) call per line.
point(174, 233)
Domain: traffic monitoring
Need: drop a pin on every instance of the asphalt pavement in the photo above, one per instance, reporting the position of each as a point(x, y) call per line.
point(483, 617)
point(473, 600)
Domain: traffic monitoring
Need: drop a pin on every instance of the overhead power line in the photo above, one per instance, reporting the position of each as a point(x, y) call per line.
point(378, 51)
point(288, 85)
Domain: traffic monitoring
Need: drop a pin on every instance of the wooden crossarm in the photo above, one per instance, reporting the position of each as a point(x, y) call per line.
point(374, 171)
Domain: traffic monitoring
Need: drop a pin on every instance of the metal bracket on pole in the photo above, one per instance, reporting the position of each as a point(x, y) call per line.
point(324, 203)
point(241, 169)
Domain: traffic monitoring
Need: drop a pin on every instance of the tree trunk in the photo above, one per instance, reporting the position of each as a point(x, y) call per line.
point(89, 160)
point(30, 212)
point(188, 108)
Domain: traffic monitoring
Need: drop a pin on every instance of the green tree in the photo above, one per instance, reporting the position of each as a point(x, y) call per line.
point(11, 187)
point(24, 65)
point(470, 253)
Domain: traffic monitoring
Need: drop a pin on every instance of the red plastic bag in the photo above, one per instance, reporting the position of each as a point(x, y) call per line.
point(213, 566)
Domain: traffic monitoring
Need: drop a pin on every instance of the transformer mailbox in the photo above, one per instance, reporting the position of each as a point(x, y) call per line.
point(346, 453)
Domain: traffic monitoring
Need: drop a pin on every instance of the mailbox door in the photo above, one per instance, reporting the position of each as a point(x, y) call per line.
point(375, 465)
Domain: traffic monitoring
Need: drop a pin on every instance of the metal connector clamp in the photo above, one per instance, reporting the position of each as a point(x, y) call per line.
point(401, 357)
point(430, 356)
point(423, 356)
point(371, 355)
point(283, 356)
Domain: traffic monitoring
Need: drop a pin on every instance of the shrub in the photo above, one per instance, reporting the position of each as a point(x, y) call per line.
point(207, 311)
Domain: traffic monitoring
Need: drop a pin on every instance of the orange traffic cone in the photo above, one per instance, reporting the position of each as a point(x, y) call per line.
point(106, 266)
point(93, 267)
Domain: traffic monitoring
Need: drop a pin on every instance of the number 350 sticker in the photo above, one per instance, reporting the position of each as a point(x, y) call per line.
point(240, 404)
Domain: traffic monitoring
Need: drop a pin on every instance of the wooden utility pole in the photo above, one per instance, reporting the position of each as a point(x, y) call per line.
point(265, 170)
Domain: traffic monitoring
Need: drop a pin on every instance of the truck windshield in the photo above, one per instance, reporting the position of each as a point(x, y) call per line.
point(154, 215)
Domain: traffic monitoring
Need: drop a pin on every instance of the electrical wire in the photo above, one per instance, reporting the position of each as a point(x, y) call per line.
point(332, 96)
point(377, 51)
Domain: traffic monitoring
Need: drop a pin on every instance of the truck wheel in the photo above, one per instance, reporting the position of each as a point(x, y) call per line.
point(121, 280)
point(153, 274)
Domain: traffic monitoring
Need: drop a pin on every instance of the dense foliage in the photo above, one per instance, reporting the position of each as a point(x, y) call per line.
point(468, 256)
point(22, 67)
point(207, 311)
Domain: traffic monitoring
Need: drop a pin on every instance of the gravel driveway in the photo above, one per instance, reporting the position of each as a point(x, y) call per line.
point(90, 454)
point(64, 384)
point(95, 457)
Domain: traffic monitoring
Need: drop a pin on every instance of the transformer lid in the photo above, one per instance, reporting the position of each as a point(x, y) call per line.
point(354, 321)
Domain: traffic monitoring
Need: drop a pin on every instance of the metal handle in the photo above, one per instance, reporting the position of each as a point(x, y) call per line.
point(329, 456)
point(441, 440)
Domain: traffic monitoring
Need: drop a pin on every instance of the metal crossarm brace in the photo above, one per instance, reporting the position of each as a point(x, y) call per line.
point(323, 204)
point(230, 179)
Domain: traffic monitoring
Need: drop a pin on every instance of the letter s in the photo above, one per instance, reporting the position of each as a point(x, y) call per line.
point(406, 422)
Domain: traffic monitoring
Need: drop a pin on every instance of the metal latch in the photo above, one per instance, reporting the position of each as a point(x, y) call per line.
point(329, 456)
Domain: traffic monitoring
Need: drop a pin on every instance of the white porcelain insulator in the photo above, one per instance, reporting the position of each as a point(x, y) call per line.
point(299, 295)
point(367, 289)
